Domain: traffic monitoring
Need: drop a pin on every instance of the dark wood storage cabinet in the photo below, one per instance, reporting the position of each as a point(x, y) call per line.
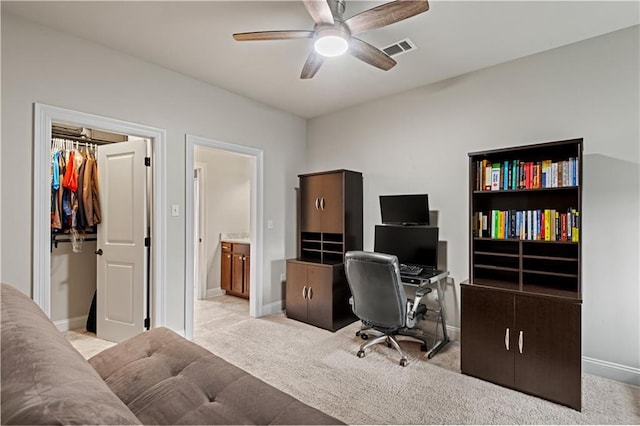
point(330, 224)
point(521, 306)
point(234, 268)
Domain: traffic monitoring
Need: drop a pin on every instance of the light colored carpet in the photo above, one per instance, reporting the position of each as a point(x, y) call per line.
point(321, 369)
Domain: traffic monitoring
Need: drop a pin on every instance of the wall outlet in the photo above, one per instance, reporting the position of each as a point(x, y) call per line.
point(175, 210)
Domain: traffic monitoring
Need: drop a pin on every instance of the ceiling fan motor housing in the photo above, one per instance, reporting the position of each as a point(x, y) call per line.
point(331, 40)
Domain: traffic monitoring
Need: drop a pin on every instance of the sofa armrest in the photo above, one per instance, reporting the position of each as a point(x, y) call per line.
point(44, 379)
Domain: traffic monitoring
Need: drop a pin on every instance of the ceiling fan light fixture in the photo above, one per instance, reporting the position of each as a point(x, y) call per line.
point(331, 42)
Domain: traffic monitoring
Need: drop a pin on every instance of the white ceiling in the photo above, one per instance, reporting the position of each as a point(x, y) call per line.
point(452, 38)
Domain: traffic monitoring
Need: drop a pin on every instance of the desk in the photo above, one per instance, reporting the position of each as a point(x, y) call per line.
point(433, 282)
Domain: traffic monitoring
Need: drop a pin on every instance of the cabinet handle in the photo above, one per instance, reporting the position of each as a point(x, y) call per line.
point(228, 255)
point(304, 292)
point(322, 203)
point(520, 340)
point(310, 293)
point(506, 338)
point(317, 203)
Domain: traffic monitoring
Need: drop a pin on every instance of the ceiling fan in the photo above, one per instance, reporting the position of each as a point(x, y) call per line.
point(333, 35)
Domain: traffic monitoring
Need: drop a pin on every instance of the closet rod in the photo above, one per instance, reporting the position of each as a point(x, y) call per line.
point(55, 240)
point(79, 139)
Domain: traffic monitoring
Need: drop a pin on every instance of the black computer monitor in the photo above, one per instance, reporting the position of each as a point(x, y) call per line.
point(409, 209)
point(413, 245)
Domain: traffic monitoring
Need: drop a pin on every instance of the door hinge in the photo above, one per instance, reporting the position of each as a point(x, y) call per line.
point(147, 241)
point(147, 323)
point(147, 161)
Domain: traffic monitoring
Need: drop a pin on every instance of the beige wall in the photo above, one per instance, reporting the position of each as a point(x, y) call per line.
point(36, 68)
point(418, 142)
point(227, 201)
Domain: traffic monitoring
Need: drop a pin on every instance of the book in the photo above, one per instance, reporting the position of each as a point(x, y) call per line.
point(495, 177)
point(487, 175)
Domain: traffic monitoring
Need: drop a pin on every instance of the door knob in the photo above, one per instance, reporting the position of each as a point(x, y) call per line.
point(99, 252)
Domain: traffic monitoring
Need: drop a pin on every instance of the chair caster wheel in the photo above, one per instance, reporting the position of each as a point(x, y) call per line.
point(389, 345)
point(424, 348)
point(404, 362)
point(360, 354)
point(364, 336)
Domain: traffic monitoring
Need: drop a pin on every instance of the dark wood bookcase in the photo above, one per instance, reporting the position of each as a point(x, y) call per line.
point(330, 224)
point(521, 306)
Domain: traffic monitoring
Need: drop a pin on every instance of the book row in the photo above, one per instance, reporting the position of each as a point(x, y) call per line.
point(518, 174)
point(544, 225)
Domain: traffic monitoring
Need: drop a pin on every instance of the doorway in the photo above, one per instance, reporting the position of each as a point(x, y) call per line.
point(45, 116)
point(255, 161)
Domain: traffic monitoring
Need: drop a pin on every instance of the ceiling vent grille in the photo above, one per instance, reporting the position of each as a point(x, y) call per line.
point(398, 48)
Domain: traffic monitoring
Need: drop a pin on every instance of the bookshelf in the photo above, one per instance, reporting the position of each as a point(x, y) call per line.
point(525, 206)
point(522, 302)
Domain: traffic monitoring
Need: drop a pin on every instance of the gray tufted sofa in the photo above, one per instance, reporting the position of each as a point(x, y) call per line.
point(157, 377)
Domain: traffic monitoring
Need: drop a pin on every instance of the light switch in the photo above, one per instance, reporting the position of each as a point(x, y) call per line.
point(175, 210)
point(269, 224)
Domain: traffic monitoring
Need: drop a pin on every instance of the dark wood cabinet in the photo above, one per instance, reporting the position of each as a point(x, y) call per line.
point(330, 224)
point(234, 268)
point(526, 343)
point(521, 306)
point(318, 294)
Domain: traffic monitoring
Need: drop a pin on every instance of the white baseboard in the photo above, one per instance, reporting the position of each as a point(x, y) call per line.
point(71, 323)
point(453, 333)
point(215, 292)
point(611, 370)
point(272, 308)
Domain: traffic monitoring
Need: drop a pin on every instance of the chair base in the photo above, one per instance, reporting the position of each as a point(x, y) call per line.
point(391, 340)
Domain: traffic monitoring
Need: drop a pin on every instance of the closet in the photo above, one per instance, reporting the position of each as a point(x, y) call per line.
point(79, 200)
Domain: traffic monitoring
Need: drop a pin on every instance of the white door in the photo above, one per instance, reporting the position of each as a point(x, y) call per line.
point(122, 268)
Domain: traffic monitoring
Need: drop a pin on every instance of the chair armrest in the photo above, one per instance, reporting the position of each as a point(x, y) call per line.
point(420, 293)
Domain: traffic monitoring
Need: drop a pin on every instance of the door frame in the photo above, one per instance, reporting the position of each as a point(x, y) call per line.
point(255, 220)
point(202, 247)
point(44, 116)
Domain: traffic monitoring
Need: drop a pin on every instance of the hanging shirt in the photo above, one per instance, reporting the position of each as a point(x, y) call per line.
point(70, 180)
point(55, 171)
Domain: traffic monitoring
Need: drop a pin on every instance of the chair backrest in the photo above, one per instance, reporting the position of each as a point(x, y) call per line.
point(378, 294)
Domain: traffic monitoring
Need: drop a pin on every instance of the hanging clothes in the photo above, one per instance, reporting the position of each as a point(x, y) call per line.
point(75, 206)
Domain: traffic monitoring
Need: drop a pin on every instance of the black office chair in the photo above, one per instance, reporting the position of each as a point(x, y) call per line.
point(379, 300)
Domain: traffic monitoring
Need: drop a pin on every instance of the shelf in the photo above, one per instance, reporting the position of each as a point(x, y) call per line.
point(490, 253)
point(537, 290)
point(560, 259)
point(498, 268)
point(520, 191)
point(555, 274)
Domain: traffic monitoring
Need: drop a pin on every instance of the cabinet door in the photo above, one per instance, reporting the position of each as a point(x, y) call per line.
point(245, 282)
point(237, 273)
point(310, 213)
point(296, 290)
point(487, 335)
point(548, 355)
point(225, 268)
point(332, 203)
point(320, 296)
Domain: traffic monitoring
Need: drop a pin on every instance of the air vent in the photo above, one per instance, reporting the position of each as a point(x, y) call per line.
point(403, 46)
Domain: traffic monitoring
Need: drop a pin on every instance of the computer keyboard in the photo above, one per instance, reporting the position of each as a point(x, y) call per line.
point(410, 269)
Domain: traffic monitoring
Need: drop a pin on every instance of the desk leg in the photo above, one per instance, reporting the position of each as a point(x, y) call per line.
point(445, 337)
